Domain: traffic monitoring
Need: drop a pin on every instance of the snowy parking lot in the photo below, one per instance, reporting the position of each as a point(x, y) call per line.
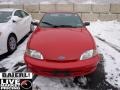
point(107, 75)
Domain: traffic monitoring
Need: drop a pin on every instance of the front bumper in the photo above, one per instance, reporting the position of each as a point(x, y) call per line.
point(62, 69)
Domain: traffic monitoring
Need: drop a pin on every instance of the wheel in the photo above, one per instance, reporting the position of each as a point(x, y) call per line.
point(11, 43)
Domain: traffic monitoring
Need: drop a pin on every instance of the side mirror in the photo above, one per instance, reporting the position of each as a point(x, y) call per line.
point(16, 19)
point(35, 23)
point(86, 23)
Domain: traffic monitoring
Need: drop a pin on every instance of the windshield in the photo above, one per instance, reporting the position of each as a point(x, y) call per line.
point(5, 16)
point(61, 20)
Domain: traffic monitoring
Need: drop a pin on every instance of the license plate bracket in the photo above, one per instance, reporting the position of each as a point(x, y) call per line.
point(57, 72)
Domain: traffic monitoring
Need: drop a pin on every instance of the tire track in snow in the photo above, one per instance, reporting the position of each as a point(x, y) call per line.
point(110, 53)
point(19, 67)
point(117, 48)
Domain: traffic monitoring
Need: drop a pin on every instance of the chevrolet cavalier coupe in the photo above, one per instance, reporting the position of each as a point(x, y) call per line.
point(61, 46)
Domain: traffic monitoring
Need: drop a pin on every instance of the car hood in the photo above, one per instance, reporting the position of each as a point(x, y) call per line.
point(61, 43)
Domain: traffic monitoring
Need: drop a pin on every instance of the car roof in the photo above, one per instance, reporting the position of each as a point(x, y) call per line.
point(60, 12)
point(9, 9)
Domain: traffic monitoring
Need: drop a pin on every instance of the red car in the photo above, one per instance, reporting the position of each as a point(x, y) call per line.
point(61, 46)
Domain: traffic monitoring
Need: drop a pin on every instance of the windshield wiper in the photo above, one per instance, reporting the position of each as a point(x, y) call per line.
point(66, 26)
point(49, 24)
point(56, 26)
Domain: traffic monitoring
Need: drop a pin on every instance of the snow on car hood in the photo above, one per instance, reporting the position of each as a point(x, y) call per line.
point(67, 42)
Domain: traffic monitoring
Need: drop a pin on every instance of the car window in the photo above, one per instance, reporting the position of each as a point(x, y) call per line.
point(25, 14)
point(5, 16)
point(61, 20)
point(18, 13)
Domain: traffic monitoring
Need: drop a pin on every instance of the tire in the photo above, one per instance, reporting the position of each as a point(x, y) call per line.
point(11, 43)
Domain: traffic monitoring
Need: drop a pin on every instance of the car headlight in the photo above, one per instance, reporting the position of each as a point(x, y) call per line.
point(88, 54)
point(34, 54)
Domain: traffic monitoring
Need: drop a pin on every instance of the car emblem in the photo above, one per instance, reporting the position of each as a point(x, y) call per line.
point(61, 58)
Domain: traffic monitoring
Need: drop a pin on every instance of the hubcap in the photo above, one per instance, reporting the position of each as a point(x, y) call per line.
point(12, 43)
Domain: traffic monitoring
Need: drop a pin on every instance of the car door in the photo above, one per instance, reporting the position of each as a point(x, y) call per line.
point(19, 25)
point(27, 21)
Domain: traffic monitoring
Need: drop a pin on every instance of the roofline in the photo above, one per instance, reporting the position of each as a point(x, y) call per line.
point(61, 12)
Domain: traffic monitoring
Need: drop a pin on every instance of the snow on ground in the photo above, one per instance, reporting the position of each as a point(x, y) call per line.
point(107, 37)
point(109, 31)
